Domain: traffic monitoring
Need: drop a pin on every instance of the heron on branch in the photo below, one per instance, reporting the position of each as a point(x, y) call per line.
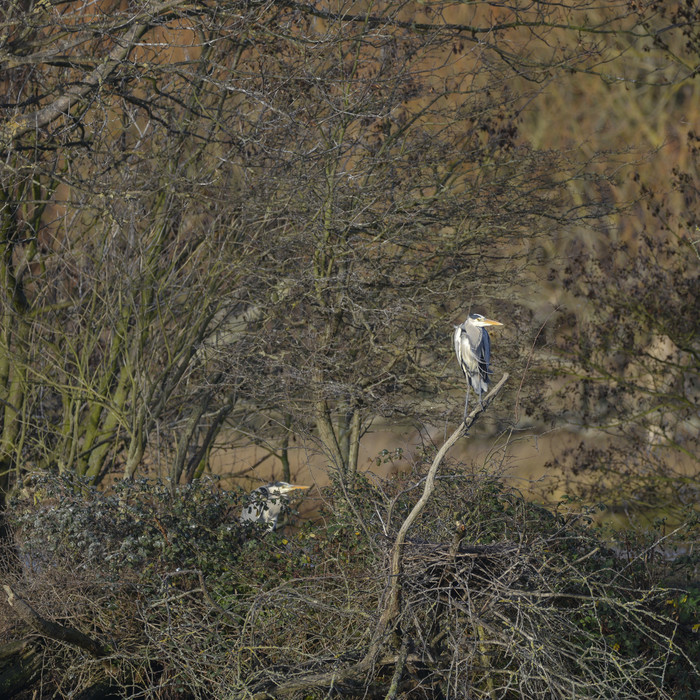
point(473, 349)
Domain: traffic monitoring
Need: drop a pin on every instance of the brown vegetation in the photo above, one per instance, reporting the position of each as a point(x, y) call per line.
point(228, 224)
point(534, 605)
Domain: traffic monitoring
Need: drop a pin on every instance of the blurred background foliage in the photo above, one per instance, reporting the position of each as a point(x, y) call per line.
point(245, 227)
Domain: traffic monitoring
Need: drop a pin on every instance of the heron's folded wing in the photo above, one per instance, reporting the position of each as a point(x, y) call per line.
point(484, 355)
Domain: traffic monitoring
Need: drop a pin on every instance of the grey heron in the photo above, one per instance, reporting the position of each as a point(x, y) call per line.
point(266, 503)
point(473, 349)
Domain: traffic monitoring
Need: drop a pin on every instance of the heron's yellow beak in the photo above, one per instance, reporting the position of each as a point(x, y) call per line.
point(490, 322)
point(294, 487)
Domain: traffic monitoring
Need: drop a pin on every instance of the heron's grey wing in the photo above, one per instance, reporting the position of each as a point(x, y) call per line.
point(484, 355)
point(255, 510)
point(250, 514)
point(474, 336)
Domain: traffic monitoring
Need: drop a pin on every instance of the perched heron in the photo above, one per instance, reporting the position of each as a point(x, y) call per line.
point(266, 503)
point(473, 348)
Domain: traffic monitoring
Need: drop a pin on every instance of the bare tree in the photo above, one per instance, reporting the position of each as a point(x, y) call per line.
point(247, 214)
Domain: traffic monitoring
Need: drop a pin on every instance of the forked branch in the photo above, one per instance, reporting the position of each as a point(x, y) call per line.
point(392, 607)
point(349, 678)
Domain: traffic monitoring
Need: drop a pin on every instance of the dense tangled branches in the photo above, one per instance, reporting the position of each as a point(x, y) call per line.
point(510, 602)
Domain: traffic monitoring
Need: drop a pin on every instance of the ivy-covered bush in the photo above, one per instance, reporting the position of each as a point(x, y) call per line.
point(134, 525)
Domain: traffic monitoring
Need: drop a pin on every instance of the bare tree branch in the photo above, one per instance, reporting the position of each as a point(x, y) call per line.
point(17, 127)
point(53, 630)
point(349, 677)
point(392, 607)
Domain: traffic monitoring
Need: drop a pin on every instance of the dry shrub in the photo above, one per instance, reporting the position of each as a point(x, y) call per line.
point(499, 598)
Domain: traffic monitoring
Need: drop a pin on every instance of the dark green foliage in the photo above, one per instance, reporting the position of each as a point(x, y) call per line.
point(135, 526)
